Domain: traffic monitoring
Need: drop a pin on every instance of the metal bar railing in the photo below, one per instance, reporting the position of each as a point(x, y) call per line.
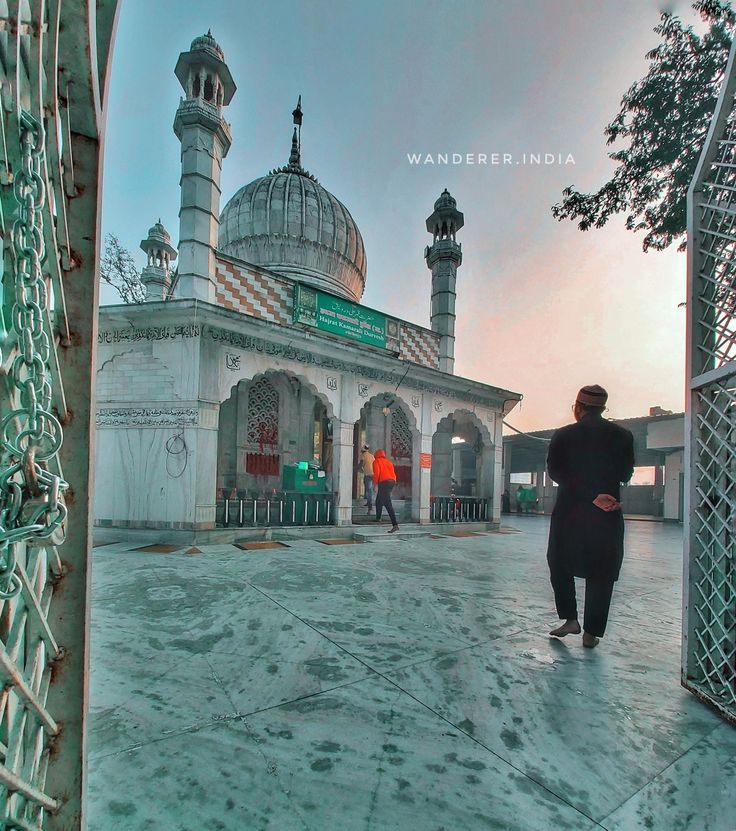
point(258, 509)
point(459, 508)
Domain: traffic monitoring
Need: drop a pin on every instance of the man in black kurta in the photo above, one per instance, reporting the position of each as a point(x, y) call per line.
point(588, 460)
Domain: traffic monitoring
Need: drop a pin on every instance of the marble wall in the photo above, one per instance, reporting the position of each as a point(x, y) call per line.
point(163, 390)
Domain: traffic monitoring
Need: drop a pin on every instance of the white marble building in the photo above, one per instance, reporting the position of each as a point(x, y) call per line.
point(257, 352)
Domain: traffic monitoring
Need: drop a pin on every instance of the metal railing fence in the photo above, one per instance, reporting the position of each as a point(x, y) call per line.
point(459, 509)
point(274, 508)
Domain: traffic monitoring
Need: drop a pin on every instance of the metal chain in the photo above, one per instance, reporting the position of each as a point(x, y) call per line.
point(30, 495)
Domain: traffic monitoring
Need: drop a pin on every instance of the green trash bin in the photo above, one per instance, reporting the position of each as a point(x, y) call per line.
point(300, 479)
point(304, 477)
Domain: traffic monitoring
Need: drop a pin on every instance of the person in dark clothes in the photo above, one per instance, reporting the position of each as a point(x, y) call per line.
point(384, 478)
point(589, 460)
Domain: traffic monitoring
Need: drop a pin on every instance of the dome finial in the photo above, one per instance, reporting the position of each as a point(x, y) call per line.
point(295, 160)
point(295, 157)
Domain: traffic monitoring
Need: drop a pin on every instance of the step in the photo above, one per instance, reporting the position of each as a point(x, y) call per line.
point(402, 508)
point(379, 533)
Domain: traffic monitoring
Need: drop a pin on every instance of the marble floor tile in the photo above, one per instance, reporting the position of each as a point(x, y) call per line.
point(389, 622)
point(697, 791)
point(237, 691)
point(292, 662)
point(383, 646)
point(167, 663)
point(549, 709)
point(365, 757)
point(643, 610)
point(136, 701)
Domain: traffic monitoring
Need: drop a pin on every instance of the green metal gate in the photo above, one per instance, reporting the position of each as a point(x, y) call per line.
point(53, 74)
point(709, 614)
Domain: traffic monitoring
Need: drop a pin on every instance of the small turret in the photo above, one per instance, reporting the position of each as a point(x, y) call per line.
point(204, 75)
point(156, 276)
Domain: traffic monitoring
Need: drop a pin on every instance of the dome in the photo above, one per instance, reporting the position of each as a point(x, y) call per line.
point(287, 222)
point(158, 233)
point(209, 44)
point(158, 239)
point(446, 200)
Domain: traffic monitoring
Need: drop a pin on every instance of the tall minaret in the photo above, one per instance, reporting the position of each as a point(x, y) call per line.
point(205, 140)
point(156, 276)
point(443, 258)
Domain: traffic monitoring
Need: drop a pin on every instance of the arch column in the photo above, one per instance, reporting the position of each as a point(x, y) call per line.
point(241, 434)
point(441, 449)
point(495, 472)
point(305, 415)
point(421, 480)
point(205, 474)
point(342, 466)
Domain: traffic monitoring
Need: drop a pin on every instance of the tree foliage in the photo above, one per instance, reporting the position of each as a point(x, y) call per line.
point(117, 269)
point(665, 116)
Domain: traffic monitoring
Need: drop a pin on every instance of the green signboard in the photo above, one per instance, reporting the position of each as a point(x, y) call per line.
point(341, 317)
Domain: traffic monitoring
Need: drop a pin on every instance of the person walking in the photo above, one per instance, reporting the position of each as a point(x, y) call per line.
point(588, 460)
point(384, 478)
point(366, 468)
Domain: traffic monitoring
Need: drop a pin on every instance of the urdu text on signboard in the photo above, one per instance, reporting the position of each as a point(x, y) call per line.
point(341, 317)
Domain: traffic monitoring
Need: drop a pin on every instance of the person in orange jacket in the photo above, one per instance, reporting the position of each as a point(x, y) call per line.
point(384, 479)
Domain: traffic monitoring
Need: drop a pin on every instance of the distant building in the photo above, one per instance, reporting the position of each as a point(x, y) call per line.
point(657, 488)
point(257, 353)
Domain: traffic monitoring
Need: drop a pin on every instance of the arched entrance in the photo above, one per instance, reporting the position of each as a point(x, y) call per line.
point(386, 423)
point(269, 421)
point(462, 457)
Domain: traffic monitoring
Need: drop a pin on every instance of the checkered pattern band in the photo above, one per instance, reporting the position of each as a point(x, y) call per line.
point(419, 346)
point(270, 298)
point(254, 293)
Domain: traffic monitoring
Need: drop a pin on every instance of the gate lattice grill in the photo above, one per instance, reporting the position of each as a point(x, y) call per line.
point(713, 577)
point(263, 414)
point(709, 643)
point(50, 130)
point(400, 435)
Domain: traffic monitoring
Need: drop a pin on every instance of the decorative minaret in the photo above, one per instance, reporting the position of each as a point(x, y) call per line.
point(156, 276)
point(443, 258)
point(205, 141)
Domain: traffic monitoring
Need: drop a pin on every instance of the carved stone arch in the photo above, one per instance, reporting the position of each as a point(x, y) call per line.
point(473, 418)
point(271, 373)
point(305, 382)
point(466, 471)
point(392, 401)
point(387, 422)
point(297, 427)
point(322, 436)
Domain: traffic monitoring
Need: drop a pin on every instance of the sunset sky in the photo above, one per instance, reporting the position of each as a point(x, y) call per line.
point(542, 307)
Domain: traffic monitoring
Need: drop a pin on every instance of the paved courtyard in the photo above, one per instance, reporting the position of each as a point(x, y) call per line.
point(401, 684)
